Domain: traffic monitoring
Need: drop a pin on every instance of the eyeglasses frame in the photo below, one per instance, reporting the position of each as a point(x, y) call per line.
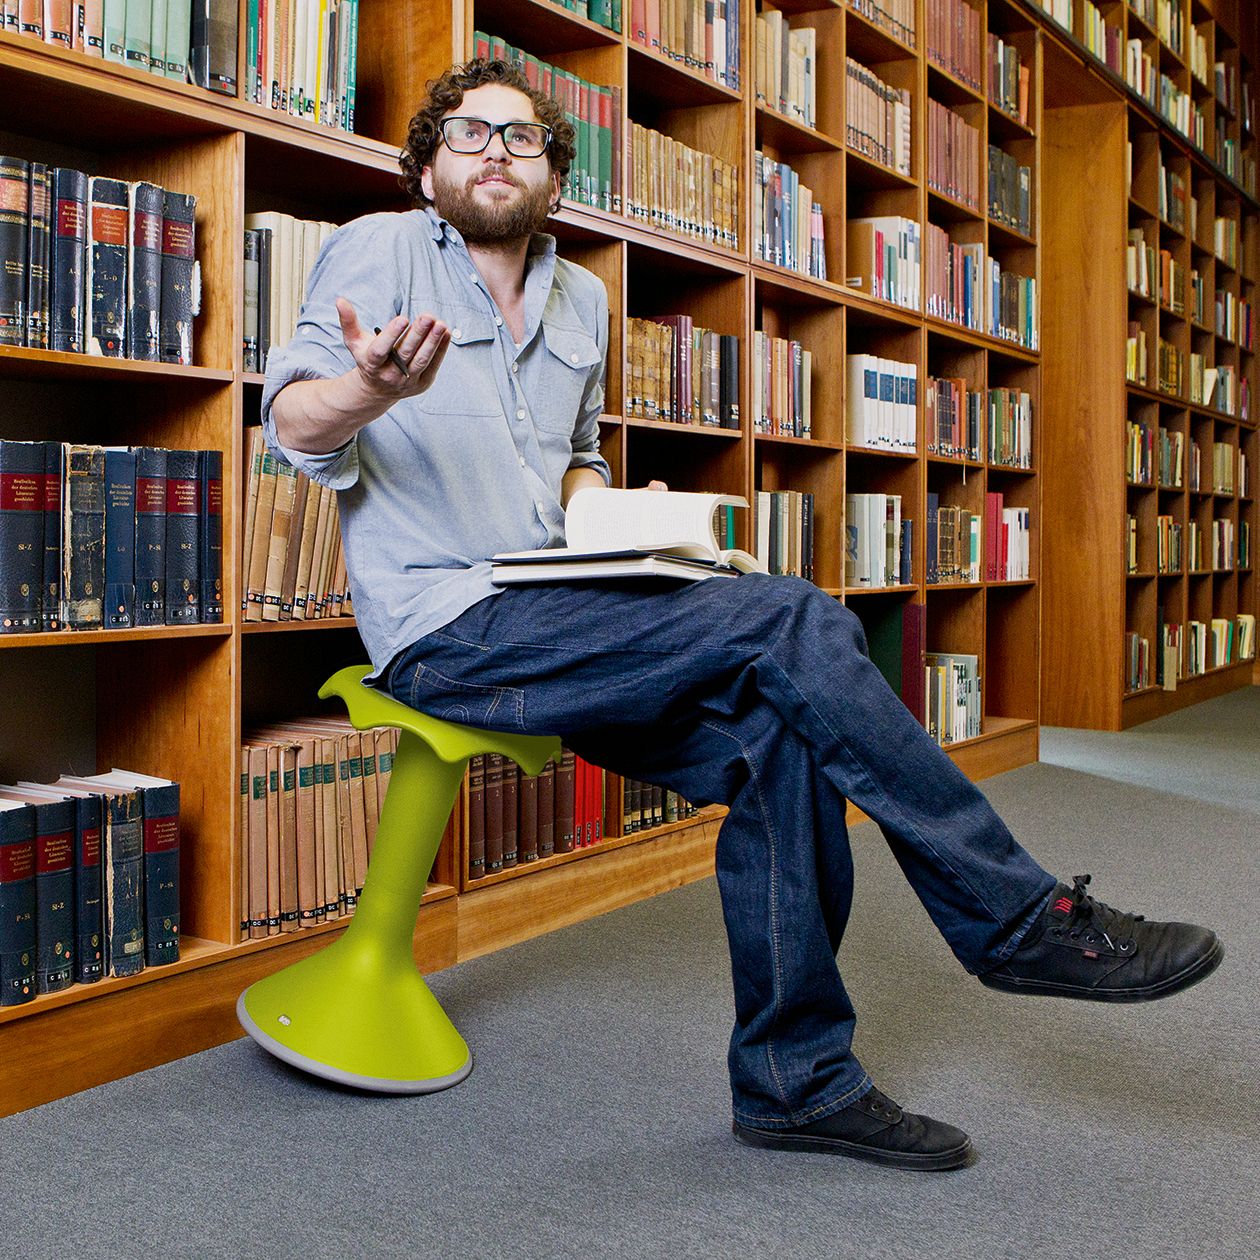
point(496, 129)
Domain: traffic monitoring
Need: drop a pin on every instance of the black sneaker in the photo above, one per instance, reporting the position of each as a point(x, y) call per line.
point(873, 1128)
point(1081, 948)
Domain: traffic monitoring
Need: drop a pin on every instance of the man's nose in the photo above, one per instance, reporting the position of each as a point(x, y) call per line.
point(496, 150)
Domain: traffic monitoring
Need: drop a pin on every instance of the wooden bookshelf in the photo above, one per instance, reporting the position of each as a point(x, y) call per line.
point(1091, 600)
point(175, 702)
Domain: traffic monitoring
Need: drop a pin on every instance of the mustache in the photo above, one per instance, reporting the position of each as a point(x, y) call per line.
point(495, 176)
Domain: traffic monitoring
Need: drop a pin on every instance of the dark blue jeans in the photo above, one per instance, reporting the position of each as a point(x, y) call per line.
point(756, 693)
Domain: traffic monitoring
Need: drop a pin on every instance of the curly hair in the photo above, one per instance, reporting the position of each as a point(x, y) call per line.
point(446, 93)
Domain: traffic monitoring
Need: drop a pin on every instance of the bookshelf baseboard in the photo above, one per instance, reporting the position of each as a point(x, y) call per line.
point(1145, 705)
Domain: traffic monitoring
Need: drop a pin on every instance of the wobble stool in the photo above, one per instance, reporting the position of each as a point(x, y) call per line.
point(359, 1012)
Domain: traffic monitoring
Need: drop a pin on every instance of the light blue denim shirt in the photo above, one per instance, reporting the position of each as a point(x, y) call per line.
point(439, 483)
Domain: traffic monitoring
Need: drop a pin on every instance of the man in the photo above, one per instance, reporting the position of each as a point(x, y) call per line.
point(461, 429)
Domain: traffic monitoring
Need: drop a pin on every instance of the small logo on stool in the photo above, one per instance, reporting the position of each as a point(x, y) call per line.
point(285, 1020)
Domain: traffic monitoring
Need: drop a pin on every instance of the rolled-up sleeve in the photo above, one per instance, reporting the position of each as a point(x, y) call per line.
point(359, 263)
point(586, 430)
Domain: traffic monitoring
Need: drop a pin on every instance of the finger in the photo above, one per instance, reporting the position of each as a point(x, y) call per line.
point(431, 351)
point(349, 320)
point(379, 350)
point(413, 336)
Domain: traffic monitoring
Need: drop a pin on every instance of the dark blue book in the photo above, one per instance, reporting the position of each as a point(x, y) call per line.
point(54, 888)
point(150, 535)
point(159, 799)
point(210, 533)
point(69, 233)
point(120, 538)
point(144, 270)
point(21, 535)
point(183, 587)
point(105, 284)
point(83, 536)
point(17, 903)
point(50, 601)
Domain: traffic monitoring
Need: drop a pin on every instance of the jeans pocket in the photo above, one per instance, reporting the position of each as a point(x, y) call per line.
point(470, 704)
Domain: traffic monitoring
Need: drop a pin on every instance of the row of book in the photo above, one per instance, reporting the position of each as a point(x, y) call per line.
point(292, 563)
point(95, 265)
point(681, 373)
point(783, 527)
point(1010, 427)
point(1104, 39)
point(787, 225)
point(1009, 78)
point(190, 41)
point(680, 189)
point(782, 390)
point(1010, 191)
point(98, 538)
point(89, 881)
point(952, 688)
point(953, 543)
point(1189, 650)
point(877, 118)
point(311, 794)
point(1173, 198)
point(605, 13)
point(1215, 387)
point(300, 57)
point(955, 418)
point(897, 17)
point(279, 252)
point(1233, 319)
point(953, 39)
point(1137, 662)
point(878, 542)
point(594, 112)
point(705, 38)
point(786, 68)
point(883, 258)
point(953, 166)
point(966, 287)
point(1008, 538)
point(881, 403)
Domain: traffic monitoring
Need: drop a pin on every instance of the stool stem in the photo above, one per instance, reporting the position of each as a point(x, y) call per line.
point(422, 790)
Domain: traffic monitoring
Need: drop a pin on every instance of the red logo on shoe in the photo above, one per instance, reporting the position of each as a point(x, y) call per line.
point(1063, 905)
point(1090, 953)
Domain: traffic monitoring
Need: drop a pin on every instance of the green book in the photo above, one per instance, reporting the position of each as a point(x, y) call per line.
point(115, 21)
point(137, 33)
point(178, 37)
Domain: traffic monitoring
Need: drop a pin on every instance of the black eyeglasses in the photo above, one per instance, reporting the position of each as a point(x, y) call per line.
point(473, 135)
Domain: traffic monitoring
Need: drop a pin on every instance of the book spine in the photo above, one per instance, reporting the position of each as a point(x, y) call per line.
point(150, 536)
point(106, 280)
point(511, 792)
point(178, 278)
point(54, 896)
point(178, 19)
point(477, 817)
point(249, 334)
point(210, 534)
point(50, 611)
point(21, 535)
point(564, 803)
point(14, 242)
point(89, 953)
point(546, 810)
point(120, 539)
point(17, 906)
point(144, 273)
point(39, 243)
point(527, 818)
point(69, 234)
point(123, 869)
point(494, 812)
point(161, 874)
point(222, 41)
point(183, 590)
point(83, 532)
point(199, 43)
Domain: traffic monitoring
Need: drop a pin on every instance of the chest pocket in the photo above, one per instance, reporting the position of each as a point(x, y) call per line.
point(464, 385)
point(571, 354)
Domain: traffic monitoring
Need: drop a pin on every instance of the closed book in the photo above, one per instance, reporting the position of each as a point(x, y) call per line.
point(293, 545)
point(199, 43)
point(150, 536)
point(54, 888)
point(547, 810)
point(178, 24)
point(494, 812)
point(120, 538)
point(565, 839)
point(221, 51)
point(137, 27)
point(179, 278)
point(511, 794)
point(83, 534)
point(114, 23)
point(183, 588)
point(159, 800)
point(69, 234)
point(477, 816)
point(290, 917)
point(913, 647)
point(144, 272)
point(39, 245)
point(17, 903)
point(256, 892)
point(105, 280)
point(527, 818)
point(157, 36)
point(50, 610)
point(309, 872)
point(254, 448)
point(210, 534)
point(264, 296)
point(249, 329)
point(21, 535)
point(278, 539)
point(14, 243)
point(254, 566)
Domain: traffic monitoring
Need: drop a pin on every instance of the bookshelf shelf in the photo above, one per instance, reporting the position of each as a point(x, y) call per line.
point(808, 444)
point(875, 175)
point(19, 363)
point(691, 430)
point(650, 73)
point(789, 136)
point(287, 627)
point(869, 43)
point(946, 209)
point(142, 634)
point(902, 588)
point(1008, 235)
point(542, 26)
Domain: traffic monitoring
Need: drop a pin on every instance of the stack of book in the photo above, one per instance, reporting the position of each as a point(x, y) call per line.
point(1246, 636)
point(291, 557)
point(1137, 674)
point(89, 881)
point(311, 795)
point(880, 403)
point(647, 805)
point(953, 543)
point(1171, 450)
point(300, 56)
point(1172, 283)
point(877, 118)
point(1104, 39)
point(1140, 458)
point(1008, 531)
point(1009, 77)
point(787, 221)
point(1224, 456)
point(955, 279)
point(1222, 545)
point(95, 537)
point(782, 375)
point(1010, 191)
point(954, 156)
point(1012, 303)
point(954, 418)
point(680, 189)
point(1171, 368)
point(878, 543)
point(883, 258)
point(680, 373)
point(1168, 552)
point(706, 40)
point(953, 39)
point(593, 111)
point(1010, 428)
point(953, 697)
point(786, 68)
point(112, 273)
point(783, 525)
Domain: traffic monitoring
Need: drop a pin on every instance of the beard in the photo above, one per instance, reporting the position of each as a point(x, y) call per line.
point(495, 224)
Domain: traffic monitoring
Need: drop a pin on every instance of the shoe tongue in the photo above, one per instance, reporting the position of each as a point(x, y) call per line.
point(1062, 904)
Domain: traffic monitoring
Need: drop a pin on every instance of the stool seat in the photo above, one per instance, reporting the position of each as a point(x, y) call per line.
point(359, 1012)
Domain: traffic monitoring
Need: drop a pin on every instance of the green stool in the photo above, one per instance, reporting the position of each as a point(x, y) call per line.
point(358, 1012)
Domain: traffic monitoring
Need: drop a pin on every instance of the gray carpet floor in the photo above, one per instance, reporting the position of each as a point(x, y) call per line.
point(596, 1121)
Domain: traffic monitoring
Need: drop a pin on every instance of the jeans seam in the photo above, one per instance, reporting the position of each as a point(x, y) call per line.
point(776, 948)
point(864, 1086)
point(877, 789)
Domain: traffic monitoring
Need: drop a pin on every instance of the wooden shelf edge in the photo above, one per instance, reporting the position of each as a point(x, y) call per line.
point(66, 638)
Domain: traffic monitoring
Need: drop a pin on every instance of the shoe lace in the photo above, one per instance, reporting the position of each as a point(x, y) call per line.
point(1087, 912)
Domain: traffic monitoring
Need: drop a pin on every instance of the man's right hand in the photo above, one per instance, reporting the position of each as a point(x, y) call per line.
point(418, 349)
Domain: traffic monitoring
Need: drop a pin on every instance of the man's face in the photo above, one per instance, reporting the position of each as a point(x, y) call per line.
point(492, 196)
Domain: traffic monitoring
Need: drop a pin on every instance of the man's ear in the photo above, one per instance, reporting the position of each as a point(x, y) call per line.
point(555, 192)
point(426, 181)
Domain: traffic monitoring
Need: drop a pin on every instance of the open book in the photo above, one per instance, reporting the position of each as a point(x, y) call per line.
point(633, 533)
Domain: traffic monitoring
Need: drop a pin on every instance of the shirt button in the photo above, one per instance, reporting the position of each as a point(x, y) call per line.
point(520, 415)
point(472, 276)
point(499, 320)
point(456, 334)
point(516, 367)
point(573, 358)
point(520, 459)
